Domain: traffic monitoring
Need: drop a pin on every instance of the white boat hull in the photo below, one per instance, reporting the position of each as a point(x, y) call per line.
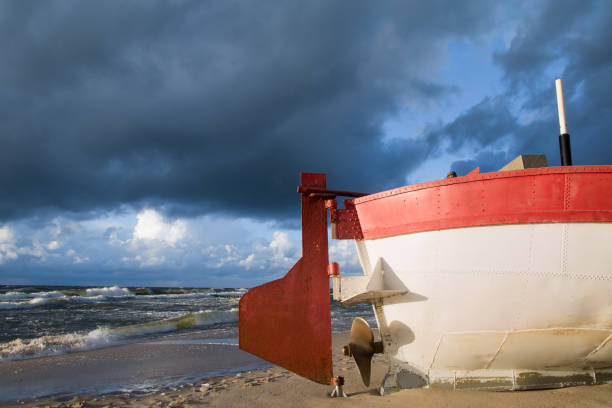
point(501, 307)
point(498, 280)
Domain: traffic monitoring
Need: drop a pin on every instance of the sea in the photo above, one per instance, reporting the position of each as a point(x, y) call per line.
point(37, 321)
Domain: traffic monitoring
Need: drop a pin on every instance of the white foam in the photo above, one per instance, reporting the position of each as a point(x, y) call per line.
point(231, 293)
point(23, 296)
point(48, 345)
point(111, 291)
point(42, 300)
point(52, 294)
point(35, 302)
point(19, 300)
point(13, 296)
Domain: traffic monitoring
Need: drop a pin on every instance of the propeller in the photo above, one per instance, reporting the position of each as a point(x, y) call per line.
point(362, 347)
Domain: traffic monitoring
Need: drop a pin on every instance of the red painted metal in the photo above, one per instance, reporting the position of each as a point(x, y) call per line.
point(331, 204)
point(288, 321)
point(542, 195)
point(345, 223)
point(328, 193)
point(333, 269)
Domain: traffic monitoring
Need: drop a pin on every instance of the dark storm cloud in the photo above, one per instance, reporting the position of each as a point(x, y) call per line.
point(212, 106)
point(568, 39)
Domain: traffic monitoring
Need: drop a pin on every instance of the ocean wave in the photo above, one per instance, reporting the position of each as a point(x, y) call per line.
point(37, 299)
point(111, 291)
point(18, 300)
point(14, 296)
point(48, 345)
point(229, 293)
point(24, 296)
point(22, 300)
point(195, 295)
point(19, 349)
point(31, 303)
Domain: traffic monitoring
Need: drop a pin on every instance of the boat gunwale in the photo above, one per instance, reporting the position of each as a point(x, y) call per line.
point(469, 178)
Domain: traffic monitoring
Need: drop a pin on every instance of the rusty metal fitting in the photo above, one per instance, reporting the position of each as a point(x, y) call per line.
point(333, 269)
point(331, 204)
point(337, 381)
point(323, 192)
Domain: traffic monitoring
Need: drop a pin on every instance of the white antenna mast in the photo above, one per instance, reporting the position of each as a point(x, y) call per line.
point(564, 138)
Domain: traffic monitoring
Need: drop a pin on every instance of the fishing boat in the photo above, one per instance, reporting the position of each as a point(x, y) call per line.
point(489, 281)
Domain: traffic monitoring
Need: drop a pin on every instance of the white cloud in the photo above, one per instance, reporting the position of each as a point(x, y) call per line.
point(154, 239)
point(113, 237)
point(178, 231)
point(278, 253)
point(36, 250)
point(53, 245)
point(150, 259)
point(78, 259)
point(344, 253)
point(281, 247)
point(222, 255)
point(248, 262)
point(151, 226)
point(8, 249)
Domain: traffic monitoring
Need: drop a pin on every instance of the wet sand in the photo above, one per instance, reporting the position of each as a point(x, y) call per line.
point(136, 367)
point(274, 387)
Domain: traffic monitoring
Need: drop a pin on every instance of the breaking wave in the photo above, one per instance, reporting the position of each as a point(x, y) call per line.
point(19, 349)
point(25, 296)
point(30, 300)
point(230, 293)
point(24, 300)
point(113, 291)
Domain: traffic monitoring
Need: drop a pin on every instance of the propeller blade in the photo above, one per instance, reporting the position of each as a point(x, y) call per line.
point(363, 359)
point(361, 332)
point(361, 347)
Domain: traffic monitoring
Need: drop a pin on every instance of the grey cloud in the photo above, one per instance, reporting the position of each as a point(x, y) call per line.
point(212, 106)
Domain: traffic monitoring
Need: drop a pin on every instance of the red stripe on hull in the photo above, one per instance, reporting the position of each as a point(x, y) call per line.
point(553, 194)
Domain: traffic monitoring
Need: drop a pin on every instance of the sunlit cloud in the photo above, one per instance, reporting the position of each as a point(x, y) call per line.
point(151, 226)
point(7, 244)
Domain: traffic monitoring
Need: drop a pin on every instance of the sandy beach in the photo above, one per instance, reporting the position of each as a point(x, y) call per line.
point(276, 387)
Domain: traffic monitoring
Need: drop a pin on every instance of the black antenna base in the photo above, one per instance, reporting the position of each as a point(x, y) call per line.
point(566, 150)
